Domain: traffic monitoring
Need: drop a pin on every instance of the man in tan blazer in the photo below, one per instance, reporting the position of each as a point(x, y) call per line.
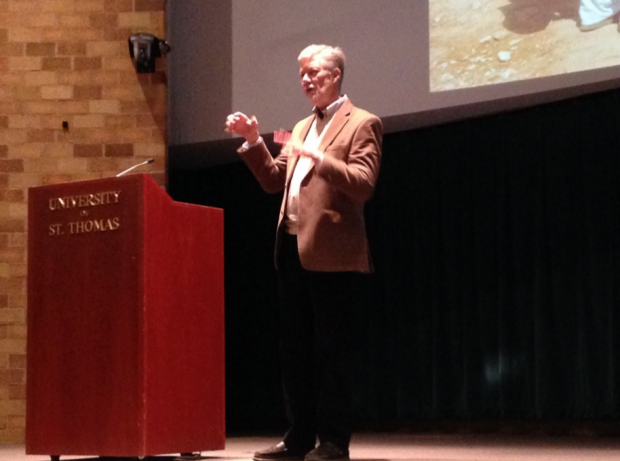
point(327, 171)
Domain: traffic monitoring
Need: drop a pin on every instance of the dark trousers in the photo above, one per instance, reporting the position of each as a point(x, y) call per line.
point(316, 345)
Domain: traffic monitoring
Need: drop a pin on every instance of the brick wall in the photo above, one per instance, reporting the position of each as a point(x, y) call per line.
point(65, 60)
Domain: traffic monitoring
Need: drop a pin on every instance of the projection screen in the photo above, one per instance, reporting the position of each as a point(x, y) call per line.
point(412, 62)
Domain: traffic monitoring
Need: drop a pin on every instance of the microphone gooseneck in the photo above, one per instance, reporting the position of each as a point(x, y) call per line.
point(151, 160)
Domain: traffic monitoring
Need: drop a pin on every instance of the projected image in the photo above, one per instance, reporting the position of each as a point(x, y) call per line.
point(483, 42)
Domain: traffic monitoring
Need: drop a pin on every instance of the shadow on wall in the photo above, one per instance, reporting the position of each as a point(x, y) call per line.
point(155, 89)
point(529, 16)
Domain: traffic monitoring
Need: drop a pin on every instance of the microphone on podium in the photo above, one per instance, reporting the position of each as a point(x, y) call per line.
point(151, 160)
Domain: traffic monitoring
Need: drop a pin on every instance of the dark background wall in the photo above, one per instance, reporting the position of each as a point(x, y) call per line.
point(497, 247)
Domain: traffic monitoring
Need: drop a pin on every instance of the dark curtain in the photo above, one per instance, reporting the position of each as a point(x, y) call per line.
point(496, 243)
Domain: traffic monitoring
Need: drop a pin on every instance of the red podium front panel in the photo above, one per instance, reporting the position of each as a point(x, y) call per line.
point(125, 321)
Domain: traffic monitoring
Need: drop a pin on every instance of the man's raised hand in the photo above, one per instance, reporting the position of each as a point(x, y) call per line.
point(241, 124)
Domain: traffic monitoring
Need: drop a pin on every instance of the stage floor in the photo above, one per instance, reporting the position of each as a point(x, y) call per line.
point(387, 447)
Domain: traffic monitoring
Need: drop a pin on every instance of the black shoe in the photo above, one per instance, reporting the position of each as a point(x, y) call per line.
point(327, 451)
point(279, 452)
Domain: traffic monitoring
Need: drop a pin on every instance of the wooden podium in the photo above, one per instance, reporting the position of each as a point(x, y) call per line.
point(125, 321)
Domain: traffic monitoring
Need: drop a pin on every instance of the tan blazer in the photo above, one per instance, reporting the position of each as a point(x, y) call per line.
point(331, 232)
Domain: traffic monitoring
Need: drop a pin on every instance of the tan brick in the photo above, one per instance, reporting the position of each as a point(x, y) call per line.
point(4, 64)
point(132, 20)
point(17, 391)
point(17, 422)
point(4, 35)
point(10, 78)
point(12, 166)
point(28, 150)
point(11, 376)
point(158, 24)
point(38, 19)
point(26, 93)
point(24, 6)
point(88, 77)
point(57, 150)
point(4, 303)
point(13, 287)
point(103, 20)
point(91, 6)
point(25, 121)
point(74, 20)
point(124, 93)
point(56, 179)
point(11, 316)
point(41, 78)
point(149, 5)
point(91, 63)
point(89, 121)
point(40, 49)
point(17, 361)
point(25, 34)
point(53, 121)
point(4, 121)
point(106, 49)
point(18, 240)
point(41, 136)
point(13, 436)
point(148, 150)
point(56, 64)
point(18, 331)
point(71, 165)
point(4, 242)
point(4, 151)
point(25, 63)
point(133, 135)
point(13, 136)
point(116, 34)
point(104, 107)
point(88, 150)
point(70, 35)
point(41, 165)
point(134, 107)
point(72, 107)
point(119, 150)
point(38, 107)
point(107, 165)
point(24, 180)
point(88, 92)
point(57, 92)
point(11, 225)
point(71, 49)
point(18, 270)
point(93, 136)
point(18, 210)
point(11, 49)
point(12, 195)
point(121, 121)
point(118, 6)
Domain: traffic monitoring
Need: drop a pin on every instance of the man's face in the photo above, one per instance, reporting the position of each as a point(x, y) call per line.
point(319, 82)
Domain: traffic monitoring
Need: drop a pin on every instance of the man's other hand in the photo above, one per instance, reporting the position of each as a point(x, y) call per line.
point(241, 124)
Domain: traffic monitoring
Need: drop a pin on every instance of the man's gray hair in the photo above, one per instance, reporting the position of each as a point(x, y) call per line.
point(333, 55)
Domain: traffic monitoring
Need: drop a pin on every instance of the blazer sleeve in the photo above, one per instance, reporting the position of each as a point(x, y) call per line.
point(270, 172)
point(356, 176)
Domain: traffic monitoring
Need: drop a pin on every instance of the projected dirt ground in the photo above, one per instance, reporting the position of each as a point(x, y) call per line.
point(482, 42)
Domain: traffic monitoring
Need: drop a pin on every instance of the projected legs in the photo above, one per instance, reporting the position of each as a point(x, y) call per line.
point(598, 13)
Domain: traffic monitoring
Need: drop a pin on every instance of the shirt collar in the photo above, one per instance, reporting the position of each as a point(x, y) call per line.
point(331, 109)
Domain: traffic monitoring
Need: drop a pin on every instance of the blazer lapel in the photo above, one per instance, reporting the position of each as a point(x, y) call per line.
point(298, 137)
point(341, 118)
